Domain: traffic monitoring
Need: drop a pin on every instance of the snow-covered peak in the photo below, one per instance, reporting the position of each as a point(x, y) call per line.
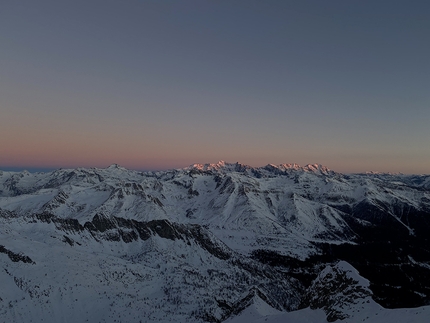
point(208, 166)
point(317, 168)
point(223, 166)
point(293, 166)
point(220, 166)
point(116, 167)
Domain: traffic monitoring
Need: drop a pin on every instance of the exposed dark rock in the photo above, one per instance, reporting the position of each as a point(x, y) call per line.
point(68, 240)
point(117, 228)
point(193, 192)
point(333, 290)
point(16, 257)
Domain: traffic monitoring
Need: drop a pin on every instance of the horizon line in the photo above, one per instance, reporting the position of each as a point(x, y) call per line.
point(36, 169)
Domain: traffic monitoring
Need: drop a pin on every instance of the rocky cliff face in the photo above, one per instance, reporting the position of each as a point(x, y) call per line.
point(203, 243)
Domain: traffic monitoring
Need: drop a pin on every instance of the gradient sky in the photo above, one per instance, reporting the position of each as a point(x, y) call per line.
point(164, 84)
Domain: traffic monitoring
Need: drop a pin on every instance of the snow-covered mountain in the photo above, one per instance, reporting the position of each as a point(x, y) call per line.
point(212, 242)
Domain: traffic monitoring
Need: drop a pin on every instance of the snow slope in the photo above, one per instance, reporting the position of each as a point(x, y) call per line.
point(212, 242)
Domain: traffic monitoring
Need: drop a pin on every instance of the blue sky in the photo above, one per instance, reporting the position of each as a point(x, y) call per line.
point(164, 84)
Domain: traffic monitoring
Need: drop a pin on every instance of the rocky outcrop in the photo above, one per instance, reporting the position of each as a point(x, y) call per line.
point(337, 290)
point(16, 257)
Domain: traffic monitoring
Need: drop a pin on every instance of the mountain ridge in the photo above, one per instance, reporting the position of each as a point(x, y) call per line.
point(266, 232)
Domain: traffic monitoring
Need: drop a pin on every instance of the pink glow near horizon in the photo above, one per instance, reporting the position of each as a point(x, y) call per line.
point(52, 142)
point(161, 86)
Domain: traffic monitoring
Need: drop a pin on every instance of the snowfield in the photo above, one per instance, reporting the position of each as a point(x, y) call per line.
point(214, 243)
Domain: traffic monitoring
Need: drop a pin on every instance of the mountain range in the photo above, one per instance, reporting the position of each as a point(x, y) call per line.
point(214, 243)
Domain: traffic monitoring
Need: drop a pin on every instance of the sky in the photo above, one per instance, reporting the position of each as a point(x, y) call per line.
point(155, 85)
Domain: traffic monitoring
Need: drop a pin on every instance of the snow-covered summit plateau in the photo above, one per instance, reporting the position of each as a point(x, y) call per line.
point(212, 243)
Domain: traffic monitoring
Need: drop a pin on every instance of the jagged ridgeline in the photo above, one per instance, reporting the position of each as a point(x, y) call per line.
point(210, 243)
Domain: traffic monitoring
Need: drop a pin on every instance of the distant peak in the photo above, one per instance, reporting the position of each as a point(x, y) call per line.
point(221, 165)
point(317, 168)
point(283, 166)
point(115, 166)
point(314, 168)
point(238, 167)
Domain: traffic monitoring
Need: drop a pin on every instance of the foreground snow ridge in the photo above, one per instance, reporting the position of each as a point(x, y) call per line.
point(221, 242)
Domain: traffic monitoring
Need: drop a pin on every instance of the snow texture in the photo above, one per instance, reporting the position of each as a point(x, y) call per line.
point(116, 245)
